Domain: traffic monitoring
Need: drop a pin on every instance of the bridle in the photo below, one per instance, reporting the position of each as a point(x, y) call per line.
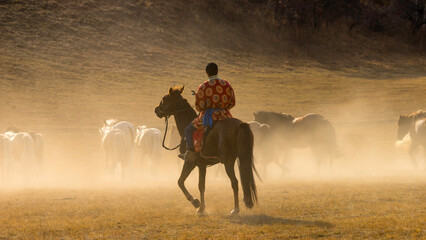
point(165, 133)
point(166, 117)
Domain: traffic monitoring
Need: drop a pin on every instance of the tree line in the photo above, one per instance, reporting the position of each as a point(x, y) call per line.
point(387, 16)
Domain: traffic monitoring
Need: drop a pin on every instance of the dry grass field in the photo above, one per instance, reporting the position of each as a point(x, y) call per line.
point(66, 66)
point(374, 208)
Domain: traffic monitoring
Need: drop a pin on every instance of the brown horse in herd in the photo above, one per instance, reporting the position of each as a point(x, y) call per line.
point(414, 126)
point(228, 140)
point(310, 131)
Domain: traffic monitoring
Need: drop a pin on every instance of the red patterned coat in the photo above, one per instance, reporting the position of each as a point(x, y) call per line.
point(214, 94)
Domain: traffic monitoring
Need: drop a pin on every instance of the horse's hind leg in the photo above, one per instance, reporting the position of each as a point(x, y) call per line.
point(202, 187)
point(229, 167)
point(186, 170)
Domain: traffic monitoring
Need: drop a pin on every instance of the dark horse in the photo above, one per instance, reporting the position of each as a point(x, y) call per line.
point(311, 130)
point(227, 140)
point(413, 125)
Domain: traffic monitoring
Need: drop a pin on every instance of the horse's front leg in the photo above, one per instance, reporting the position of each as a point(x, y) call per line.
point(202, 187)
point(186, 170)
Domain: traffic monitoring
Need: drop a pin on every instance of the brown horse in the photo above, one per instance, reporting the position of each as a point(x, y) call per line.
point(227, 140)
point(413, 125)
point(311, 130)
point(264, 147)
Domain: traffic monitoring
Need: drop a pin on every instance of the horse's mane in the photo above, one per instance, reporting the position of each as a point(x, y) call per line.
point(414, 114)
point(178, 89)
point(274, 115)
point(141, 127)
point(418, 114)
point(110, 122)
point(309, 116)
point(407, 118)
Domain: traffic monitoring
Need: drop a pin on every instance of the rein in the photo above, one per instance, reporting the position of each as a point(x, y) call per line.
point(167, 125)
point(165, 133)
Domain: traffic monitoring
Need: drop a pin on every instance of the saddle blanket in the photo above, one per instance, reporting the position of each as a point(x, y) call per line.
point(198, 137)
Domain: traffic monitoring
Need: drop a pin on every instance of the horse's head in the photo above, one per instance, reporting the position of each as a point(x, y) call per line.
point(261, 117)
point(404, 124)
point(140, 129)
point(170, 102)
point(108, 125)
point(110, 122)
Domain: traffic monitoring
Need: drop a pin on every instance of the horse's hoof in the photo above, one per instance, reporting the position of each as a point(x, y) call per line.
point(200, 212)
point(235, 212)
point(196, 203)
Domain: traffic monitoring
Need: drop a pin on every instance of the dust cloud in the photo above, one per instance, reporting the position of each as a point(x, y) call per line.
point(73, 156)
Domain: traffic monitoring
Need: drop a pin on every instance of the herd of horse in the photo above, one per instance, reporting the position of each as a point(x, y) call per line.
point(21, 153)
point(119, 140)
point(278, 133)
point(232, 139)
point(270, 136)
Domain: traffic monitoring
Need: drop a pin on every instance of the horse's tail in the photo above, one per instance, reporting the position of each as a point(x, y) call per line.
point(328, 135)
point(245, 141)
point(335, 148)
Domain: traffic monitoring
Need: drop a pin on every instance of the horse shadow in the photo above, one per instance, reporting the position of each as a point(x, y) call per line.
point(263, 219)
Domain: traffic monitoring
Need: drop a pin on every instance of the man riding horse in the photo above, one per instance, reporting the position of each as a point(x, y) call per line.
point(229, 139)
point(214, 99)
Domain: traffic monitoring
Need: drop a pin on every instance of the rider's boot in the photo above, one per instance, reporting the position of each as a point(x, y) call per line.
point(189, 155)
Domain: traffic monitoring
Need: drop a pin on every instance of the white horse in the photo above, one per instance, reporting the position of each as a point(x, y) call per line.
point(24, 153)
point(149, 142)
point(117, 142)
point(39, 149)
point(6, 160)
point(411, 135)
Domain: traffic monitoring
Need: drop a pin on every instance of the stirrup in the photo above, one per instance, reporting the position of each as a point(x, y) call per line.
point(189, 156)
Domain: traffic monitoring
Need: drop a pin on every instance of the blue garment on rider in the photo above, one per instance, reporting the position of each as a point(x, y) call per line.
point(189, 131)
point(208, 117)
